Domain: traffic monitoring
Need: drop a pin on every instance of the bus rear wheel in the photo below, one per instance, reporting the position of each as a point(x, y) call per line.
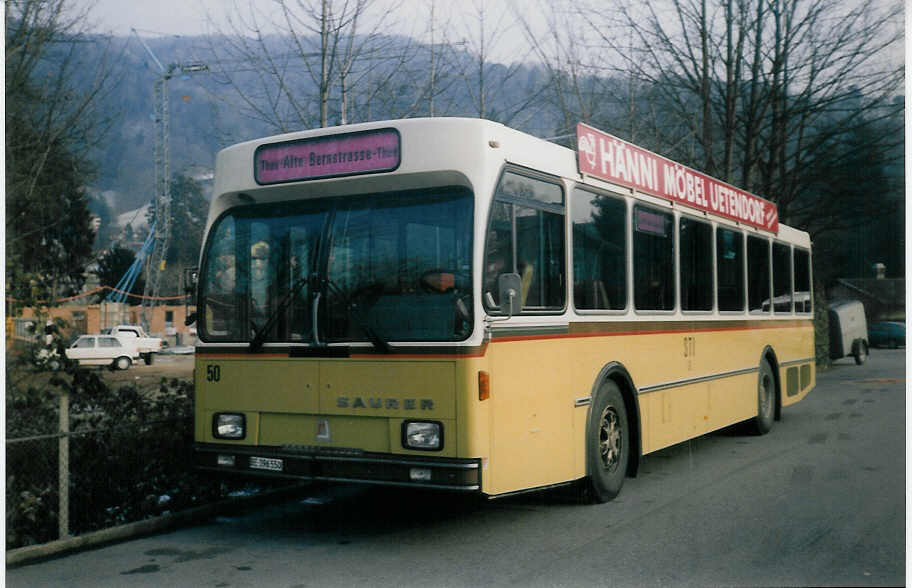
point(860, 351)
point(766, 400)
point(608, 445)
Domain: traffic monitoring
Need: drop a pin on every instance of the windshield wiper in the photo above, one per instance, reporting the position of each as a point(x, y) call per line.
point(360, 318)
point(259, 337)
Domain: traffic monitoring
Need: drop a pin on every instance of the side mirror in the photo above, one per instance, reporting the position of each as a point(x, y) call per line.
point(191, 280)
point(509, 286)
point(191, 277)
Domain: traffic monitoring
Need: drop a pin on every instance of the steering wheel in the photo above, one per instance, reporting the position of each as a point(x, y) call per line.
point(368, 294)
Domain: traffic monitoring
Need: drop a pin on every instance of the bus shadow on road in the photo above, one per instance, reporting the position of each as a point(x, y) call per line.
point(337, 513)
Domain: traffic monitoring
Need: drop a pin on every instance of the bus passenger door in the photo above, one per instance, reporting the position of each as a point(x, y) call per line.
point(532, 419)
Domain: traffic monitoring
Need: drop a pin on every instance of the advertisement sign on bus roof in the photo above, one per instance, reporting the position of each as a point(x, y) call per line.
point(604, 156)
point(329, 156)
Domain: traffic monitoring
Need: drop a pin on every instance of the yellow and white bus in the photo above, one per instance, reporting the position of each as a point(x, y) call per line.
point(449, 303)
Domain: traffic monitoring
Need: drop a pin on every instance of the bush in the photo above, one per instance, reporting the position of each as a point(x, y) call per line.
point(130, 456)
point(130, 453)
point(821, 328)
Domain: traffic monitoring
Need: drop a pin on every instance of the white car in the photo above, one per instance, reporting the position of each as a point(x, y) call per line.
point(135, 335)
point(102, 350)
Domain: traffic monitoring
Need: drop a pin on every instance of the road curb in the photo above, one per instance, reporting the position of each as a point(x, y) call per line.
point(61, 547)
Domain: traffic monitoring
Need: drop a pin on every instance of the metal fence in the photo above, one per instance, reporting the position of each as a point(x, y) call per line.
point(33, 491)
point(65, 475)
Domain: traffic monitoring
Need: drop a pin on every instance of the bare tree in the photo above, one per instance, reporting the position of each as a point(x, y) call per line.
point(822, 84)
point(56, 78)
point(441, 52)
point(766, 87)
point(300, 55)
point(396, 79)
point(579, 85)
point(690, 54)
point(485, 31)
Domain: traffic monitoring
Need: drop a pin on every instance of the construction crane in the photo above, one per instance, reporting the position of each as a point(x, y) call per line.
point(161, 230)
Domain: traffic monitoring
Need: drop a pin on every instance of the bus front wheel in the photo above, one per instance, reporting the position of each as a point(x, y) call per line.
point(608, 445)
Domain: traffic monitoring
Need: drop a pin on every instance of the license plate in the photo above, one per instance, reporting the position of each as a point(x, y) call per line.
point(266, 463)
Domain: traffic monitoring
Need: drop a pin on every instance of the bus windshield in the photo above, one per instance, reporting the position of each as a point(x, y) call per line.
point(377, 267)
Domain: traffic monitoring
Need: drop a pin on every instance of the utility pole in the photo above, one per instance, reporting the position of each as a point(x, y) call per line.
point(155, 264)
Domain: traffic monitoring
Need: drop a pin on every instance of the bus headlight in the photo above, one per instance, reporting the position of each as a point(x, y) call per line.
point(423, 435)
point(229, 425)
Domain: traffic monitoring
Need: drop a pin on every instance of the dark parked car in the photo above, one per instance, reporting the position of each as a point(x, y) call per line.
point(887, 334)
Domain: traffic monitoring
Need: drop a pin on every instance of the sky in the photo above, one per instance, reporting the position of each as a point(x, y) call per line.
point(153, 18)
point(157, 17)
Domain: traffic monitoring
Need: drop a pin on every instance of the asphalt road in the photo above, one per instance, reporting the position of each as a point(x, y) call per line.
point(818, 501)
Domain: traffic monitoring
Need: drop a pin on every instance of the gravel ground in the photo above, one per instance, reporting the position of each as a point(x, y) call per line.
point(146, 377)
point(149, 376)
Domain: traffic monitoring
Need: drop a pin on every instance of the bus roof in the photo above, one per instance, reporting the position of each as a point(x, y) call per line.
point(461, 151)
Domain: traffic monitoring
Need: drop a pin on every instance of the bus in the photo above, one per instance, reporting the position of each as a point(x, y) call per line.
point(452, 304)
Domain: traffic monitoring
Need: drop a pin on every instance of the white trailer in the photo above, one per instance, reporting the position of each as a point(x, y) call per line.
point(848, 330)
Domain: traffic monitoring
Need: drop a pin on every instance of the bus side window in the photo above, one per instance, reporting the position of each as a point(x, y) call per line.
point(696, 264)
point(758, 275)
point(498, 249)
point(540, 257)
point(653, 259)
point(782, 278)
point(526, 237)
point(599, 251)
point(802, 265)
point(730, 264)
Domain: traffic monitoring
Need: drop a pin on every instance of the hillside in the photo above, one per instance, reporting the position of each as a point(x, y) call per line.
point(211, 110)
point(206, 113)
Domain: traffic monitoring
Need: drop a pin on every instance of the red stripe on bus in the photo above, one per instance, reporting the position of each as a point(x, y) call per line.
point(598, 330)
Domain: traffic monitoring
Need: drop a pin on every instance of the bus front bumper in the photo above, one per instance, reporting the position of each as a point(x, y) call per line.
point(340, 466)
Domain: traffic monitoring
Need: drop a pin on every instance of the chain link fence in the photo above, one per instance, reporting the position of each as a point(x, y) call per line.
point(87, 477)
point(81, 457)
point(32, 490)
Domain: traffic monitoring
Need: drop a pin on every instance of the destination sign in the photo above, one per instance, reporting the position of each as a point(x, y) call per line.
point(605, 156)
point(328, 156)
